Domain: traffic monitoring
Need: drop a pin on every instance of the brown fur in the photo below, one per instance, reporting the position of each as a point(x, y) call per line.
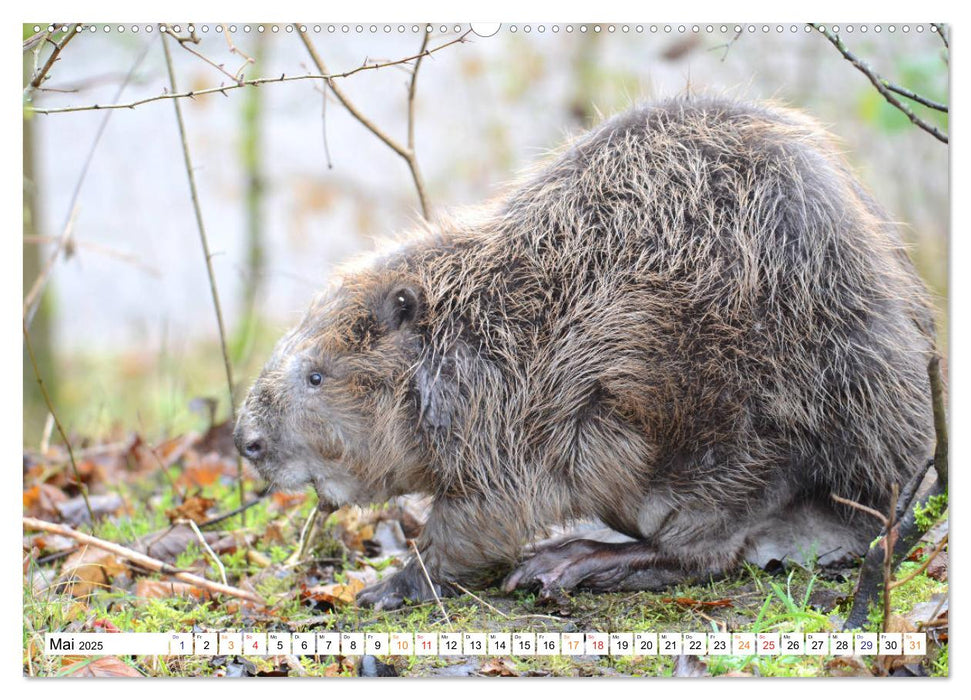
point(692, 323)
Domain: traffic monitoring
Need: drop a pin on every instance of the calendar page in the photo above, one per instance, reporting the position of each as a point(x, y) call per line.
point(442, 349)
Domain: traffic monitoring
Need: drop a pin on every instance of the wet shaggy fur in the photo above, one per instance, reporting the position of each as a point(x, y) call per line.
point(692, 323)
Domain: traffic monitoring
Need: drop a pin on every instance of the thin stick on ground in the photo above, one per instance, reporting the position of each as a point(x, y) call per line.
point(486, 603)
point(140, 559)
point(431, 586)
point(883, 86)
point(82, 487)
point(308, 526)
point(204, 241)
point(205, 545)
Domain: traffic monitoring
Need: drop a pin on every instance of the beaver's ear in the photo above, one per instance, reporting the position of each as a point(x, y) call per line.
point(401, 306)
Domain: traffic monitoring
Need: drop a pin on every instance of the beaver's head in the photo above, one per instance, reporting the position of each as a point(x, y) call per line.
point(334, 405)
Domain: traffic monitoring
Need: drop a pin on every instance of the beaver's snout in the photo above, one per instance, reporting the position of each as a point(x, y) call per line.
point(249, 442)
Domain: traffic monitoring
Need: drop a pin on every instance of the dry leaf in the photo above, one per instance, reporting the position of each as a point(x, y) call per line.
point(41, 501)
point(150, 588)
point(102, 667)
point(498, 667)
point(194, 508)
point(89, 569)
point(334, 593)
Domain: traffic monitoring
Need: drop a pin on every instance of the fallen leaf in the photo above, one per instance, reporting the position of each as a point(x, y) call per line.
point(333, 593)
point(194, 508)
point(89, 569)
point(169, 544)
point(847, 666)
point(104, 624)
point(498, 667)
point(151, 588)
point(101, 667)
point(937, 569)
point(41, 501)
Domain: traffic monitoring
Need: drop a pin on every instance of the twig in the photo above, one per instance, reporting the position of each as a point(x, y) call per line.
point(234, 511)
point(208, 258)
point(223, 89)
point(308, 527)
point(881, 84)
point(412, 162)
point(82, 487)
point(45, 438)
point(140, 559)
point(889, 540)
point(235, 50)
point(205, 545)
point(406, 151)
point(33, 298)
point(923, 567)
point(192, 39)
point(431, 586)
point(941, 31)
point(940, 419)
point(467, 592)
point(31, 301)
point(910, 94)
point(859, 506)
point(103, 249)
point(41, 75)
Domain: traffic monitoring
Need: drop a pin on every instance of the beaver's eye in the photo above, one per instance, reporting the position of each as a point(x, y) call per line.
point(315, 378)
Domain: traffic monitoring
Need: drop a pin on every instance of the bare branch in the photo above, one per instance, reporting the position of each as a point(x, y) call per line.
point(184, 42)
point(881, 84)
point(859, 506)
point(33, 297)
point(406, 151)
point(37, 288)
point(920, 99)
point(200, 225)
point(412, 162)
point(235, 50)
point(224, 89)
point(942, 32)
point(41, 75)
point(940, 420)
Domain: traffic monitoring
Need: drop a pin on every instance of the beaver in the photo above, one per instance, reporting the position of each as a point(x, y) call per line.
point(692, 323)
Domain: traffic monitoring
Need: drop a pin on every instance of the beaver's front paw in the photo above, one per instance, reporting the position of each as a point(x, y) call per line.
point(408, 585)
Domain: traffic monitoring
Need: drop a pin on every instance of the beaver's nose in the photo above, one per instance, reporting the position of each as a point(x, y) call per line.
point(252, 446)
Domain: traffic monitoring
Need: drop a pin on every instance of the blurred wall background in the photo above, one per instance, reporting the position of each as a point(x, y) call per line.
point(132, 335)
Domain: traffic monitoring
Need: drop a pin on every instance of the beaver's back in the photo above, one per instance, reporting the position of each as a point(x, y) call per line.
point(712, 275)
